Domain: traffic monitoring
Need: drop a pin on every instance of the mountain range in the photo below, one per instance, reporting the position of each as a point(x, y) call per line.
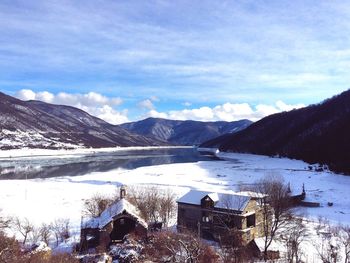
point(316, 134)
point(37, 124)
point(188, 132)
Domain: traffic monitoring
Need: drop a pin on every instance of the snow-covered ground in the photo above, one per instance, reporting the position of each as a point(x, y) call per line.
point(21, 139)
point(44, 200)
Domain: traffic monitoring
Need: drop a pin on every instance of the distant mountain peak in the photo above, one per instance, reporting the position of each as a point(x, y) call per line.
point(183, 132)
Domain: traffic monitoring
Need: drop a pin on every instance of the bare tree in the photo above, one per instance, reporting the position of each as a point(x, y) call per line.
point(328, 248)
point(343, 237)
point(34, 235)
point(24, 227)
point(4, 222)
point(153, 203)
point(45, 232)
point(94, 206)
point(175, 247)
point(60, 228)
point(293, 235)
point(167, 205)
point(276, 206)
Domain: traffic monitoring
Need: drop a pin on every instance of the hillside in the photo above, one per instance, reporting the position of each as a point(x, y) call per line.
point(184, 132)
point(38, 124)
point(316, 134)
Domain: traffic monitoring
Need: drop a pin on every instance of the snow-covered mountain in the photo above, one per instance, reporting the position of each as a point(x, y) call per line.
point(37, 124)
point(184, 132)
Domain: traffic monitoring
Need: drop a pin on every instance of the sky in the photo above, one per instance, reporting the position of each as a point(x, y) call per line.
point(203, 60)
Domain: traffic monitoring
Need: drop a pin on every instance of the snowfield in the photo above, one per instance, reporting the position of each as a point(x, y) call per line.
point(44, 200)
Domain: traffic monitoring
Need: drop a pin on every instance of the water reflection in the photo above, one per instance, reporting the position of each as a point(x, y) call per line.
point(44, 167)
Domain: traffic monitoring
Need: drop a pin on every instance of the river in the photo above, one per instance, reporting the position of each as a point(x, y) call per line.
point(47, 166)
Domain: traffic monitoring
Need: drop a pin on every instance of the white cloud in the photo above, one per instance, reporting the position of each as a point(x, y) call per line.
point(285, 107)
point(226, 112)
point(146, 104)
point(156, 114)
point(154, 98)
point(202, 114)
point(45, 96)
point(109, 114)
point(25, 94)
point(92, 102)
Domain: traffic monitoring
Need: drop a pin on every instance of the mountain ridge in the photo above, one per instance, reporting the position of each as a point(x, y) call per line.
point(183, 132)
point(37, 124)
point(316, 134)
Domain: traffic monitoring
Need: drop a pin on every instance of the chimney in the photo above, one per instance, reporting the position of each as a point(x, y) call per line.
point(303, 194)
point(122, 192)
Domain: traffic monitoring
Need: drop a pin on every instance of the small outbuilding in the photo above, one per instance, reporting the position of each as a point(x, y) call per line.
point(118, 220)
point(275, 250)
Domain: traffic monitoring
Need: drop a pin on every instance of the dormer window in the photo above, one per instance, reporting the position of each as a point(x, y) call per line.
point(207, 202)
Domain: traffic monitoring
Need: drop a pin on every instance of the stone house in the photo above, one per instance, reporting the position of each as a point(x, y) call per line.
point(216, 216)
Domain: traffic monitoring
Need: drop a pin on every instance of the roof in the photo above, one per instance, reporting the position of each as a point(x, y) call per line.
point(274, 246)
point(234, 202)
point(112, 211)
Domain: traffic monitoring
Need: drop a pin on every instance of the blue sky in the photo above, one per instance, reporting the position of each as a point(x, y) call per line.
point(204, 60)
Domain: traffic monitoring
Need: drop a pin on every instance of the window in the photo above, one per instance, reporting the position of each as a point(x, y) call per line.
point(251, 220)
point(206, 217)
point(248, 235)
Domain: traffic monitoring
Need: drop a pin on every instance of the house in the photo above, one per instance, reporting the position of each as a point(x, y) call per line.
point(114, 223)
point(216, 216)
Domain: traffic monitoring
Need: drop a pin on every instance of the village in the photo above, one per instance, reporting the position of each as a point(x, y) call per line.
point(244, 225)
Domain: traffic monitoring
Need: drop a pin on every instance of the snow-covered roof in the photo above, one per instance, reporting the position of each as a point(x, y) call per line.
point(252, 194)
point(275, 245)
point(112, 211)
point(221, 200)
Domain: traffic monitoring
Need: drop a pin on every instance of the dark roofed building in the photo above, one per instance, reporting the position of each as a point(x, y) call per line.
point(212, 214)
point(114, 223)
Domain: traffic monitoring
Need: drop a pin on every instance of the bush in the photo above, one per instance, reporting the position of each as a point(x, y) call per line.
point(175, 247)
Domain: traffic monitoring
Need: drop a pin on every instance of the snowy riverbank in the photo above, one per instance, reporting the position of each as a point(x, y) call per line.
point(46, 199)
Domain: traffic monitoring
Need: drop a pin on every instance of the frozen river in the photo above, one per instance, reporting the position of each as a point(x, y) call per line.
point(71, 165)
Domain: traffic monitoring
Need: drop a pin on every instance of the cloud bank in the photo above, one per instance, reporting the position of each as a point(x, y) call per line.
point(206, 51)
point(92, 102)
point(104, 107)
point(226, 112)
